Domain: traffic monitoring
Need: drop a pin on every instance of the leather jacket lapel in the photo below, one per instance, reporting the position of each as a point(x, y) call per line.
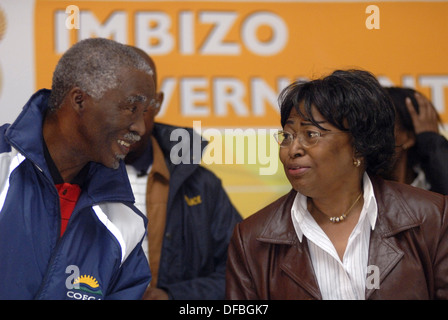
point(302, 274)
point(296, 262)
point(383, 256)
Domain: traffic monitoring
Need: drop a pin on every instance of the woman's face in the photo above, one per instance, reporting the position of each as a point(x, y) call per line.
point(324, 167)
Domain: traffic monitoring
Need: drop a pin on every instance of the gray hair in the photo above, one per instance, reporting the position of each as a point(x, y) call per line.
point(93, 65)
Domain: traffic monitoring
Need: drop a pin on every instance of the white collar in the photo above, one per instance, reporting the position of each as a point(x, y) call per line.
point(420, 180)
point(301, 217)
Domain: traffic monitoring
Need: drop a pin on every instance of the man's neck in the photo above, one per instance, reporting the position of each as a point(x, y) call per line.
point(66, 160)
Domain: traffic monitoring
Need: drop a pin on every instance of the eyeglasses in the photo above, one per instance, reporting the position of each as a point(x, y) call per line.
point(307, 138)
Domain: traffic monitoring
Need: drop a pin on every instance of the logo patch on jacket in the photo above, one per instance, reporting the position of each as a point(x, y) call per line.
point(193, 201)
point(83, 287)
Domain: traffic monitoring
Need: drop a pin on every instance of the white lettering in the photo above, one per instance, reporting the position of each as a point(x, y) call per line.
point(72, 21)
point(277, 41)
point(155, 35)
point(61, 33)
point(373, 21)
point(438, 84)
point(229, 91)
point(214, 43)
point(236, 150)
point(111, 28)
point(152, 32)
point(168, 87)
point(193, 91)
point(261, 92)
point(186, 33)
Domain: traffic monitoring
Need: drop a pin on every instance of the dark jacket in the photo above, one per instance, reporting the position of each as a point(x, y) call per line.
point(432, 152)
point(197, 234)
point(409, 245)
point(98, 257)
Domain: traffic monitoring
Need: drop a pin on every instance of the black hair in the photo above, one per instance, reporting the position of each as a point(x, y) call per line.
point(352, 101)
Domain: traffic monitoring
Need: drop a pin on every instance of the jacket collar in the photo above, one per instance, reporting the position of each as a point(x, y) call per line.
point(25, 134)
point(394, 216)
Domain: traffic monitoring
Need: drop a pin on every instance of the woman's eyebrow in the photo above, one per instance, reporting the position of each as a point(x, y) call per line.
point(309, 123)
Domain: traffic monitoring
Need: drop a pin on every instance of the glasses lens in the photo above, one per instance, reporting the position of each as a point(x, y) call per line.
point(307, 138)
point(278, 137)
point(310, 137)
point(283, 138)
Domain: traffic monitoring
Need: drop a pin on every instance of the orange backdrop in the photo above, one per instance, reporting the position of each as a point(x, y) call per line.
point(224, 63)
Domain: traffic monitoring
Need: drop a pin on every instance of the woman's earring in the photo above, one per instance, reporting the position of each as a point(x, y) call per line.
point(356, 163)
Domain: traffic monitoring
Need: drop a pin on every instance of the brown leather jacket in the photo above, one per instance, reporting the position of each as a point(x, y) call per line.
point(409, 245)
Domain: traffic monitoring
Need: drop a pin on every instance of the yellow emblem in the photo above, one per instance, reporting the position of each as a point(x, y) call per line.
point(88, 280)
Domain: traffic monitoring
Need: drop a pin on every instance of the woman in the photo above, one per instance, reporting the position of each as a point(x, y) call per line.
point(342, 232)
point(421, 150)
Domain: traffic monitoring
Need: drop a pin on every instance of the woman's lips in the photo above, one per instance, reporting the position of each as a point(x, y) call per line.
point(297, 170)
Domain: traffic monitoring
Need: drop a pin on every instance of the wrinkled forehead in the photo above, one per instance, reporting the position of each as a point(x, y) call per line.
point(307, 113)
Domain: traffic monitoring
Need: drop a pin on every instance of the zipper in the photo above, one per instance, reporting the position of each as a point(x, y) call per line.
point(55, 250)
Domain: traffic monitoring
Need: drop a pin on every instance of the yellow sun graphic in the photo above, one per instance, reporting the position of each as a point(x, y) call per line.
point(89, 280)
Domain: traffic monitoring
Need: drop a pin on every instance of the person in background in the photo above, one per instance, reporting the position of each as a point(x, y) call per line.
point(422, 152)
point(68, 226)
point(190, 216)
point(342, 232)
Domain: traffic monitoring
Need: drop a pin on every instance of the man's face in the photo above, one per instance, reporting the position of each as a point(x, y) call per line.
point(113, 123)
point(139, 147)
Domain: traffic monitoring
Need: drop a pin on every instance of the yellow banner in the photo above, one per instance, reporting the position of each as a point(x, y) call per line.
point(224, 63)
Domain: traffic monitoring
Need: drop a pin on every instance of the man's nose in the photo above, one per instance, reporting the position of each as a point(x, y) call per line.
point(138, 126)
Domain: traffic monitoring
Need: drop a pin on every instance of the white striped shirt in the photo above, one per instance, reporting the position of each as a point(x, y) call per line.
point(346, 279)
point(138, 185)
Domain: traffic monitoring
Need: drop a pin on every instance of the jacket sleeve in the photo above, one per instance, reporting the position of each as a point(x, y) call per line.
point(224, 218)
point(441, 258)
point(432, 149)
point(132, 278)
point(239, 284)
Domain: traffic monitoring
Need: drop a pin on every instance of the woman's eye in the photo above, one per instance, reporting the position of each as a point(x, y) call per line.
point(312, 134)
point(287, 136)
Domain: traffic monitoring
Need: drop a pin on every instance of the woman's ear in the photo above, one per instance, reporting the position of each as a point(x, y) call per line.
point(405, 139)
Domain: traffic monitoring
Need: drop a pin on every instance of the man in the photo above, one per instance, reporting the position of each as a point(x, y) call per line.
point(68, 226)
point(421, 150)
point(190, 215)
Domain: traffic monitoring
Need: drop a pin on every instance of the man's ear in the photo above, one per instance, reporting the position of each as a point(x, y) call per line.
point(77, 98)
point(160, 97)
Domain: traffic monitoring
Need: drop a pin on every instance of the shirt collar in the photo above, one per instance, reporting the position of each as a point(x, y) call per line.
point(300, 214)
point(420, 180)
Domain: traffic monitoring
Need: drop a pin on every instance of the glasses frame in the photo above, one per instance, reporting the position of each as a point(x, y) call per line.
point(301, 137)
